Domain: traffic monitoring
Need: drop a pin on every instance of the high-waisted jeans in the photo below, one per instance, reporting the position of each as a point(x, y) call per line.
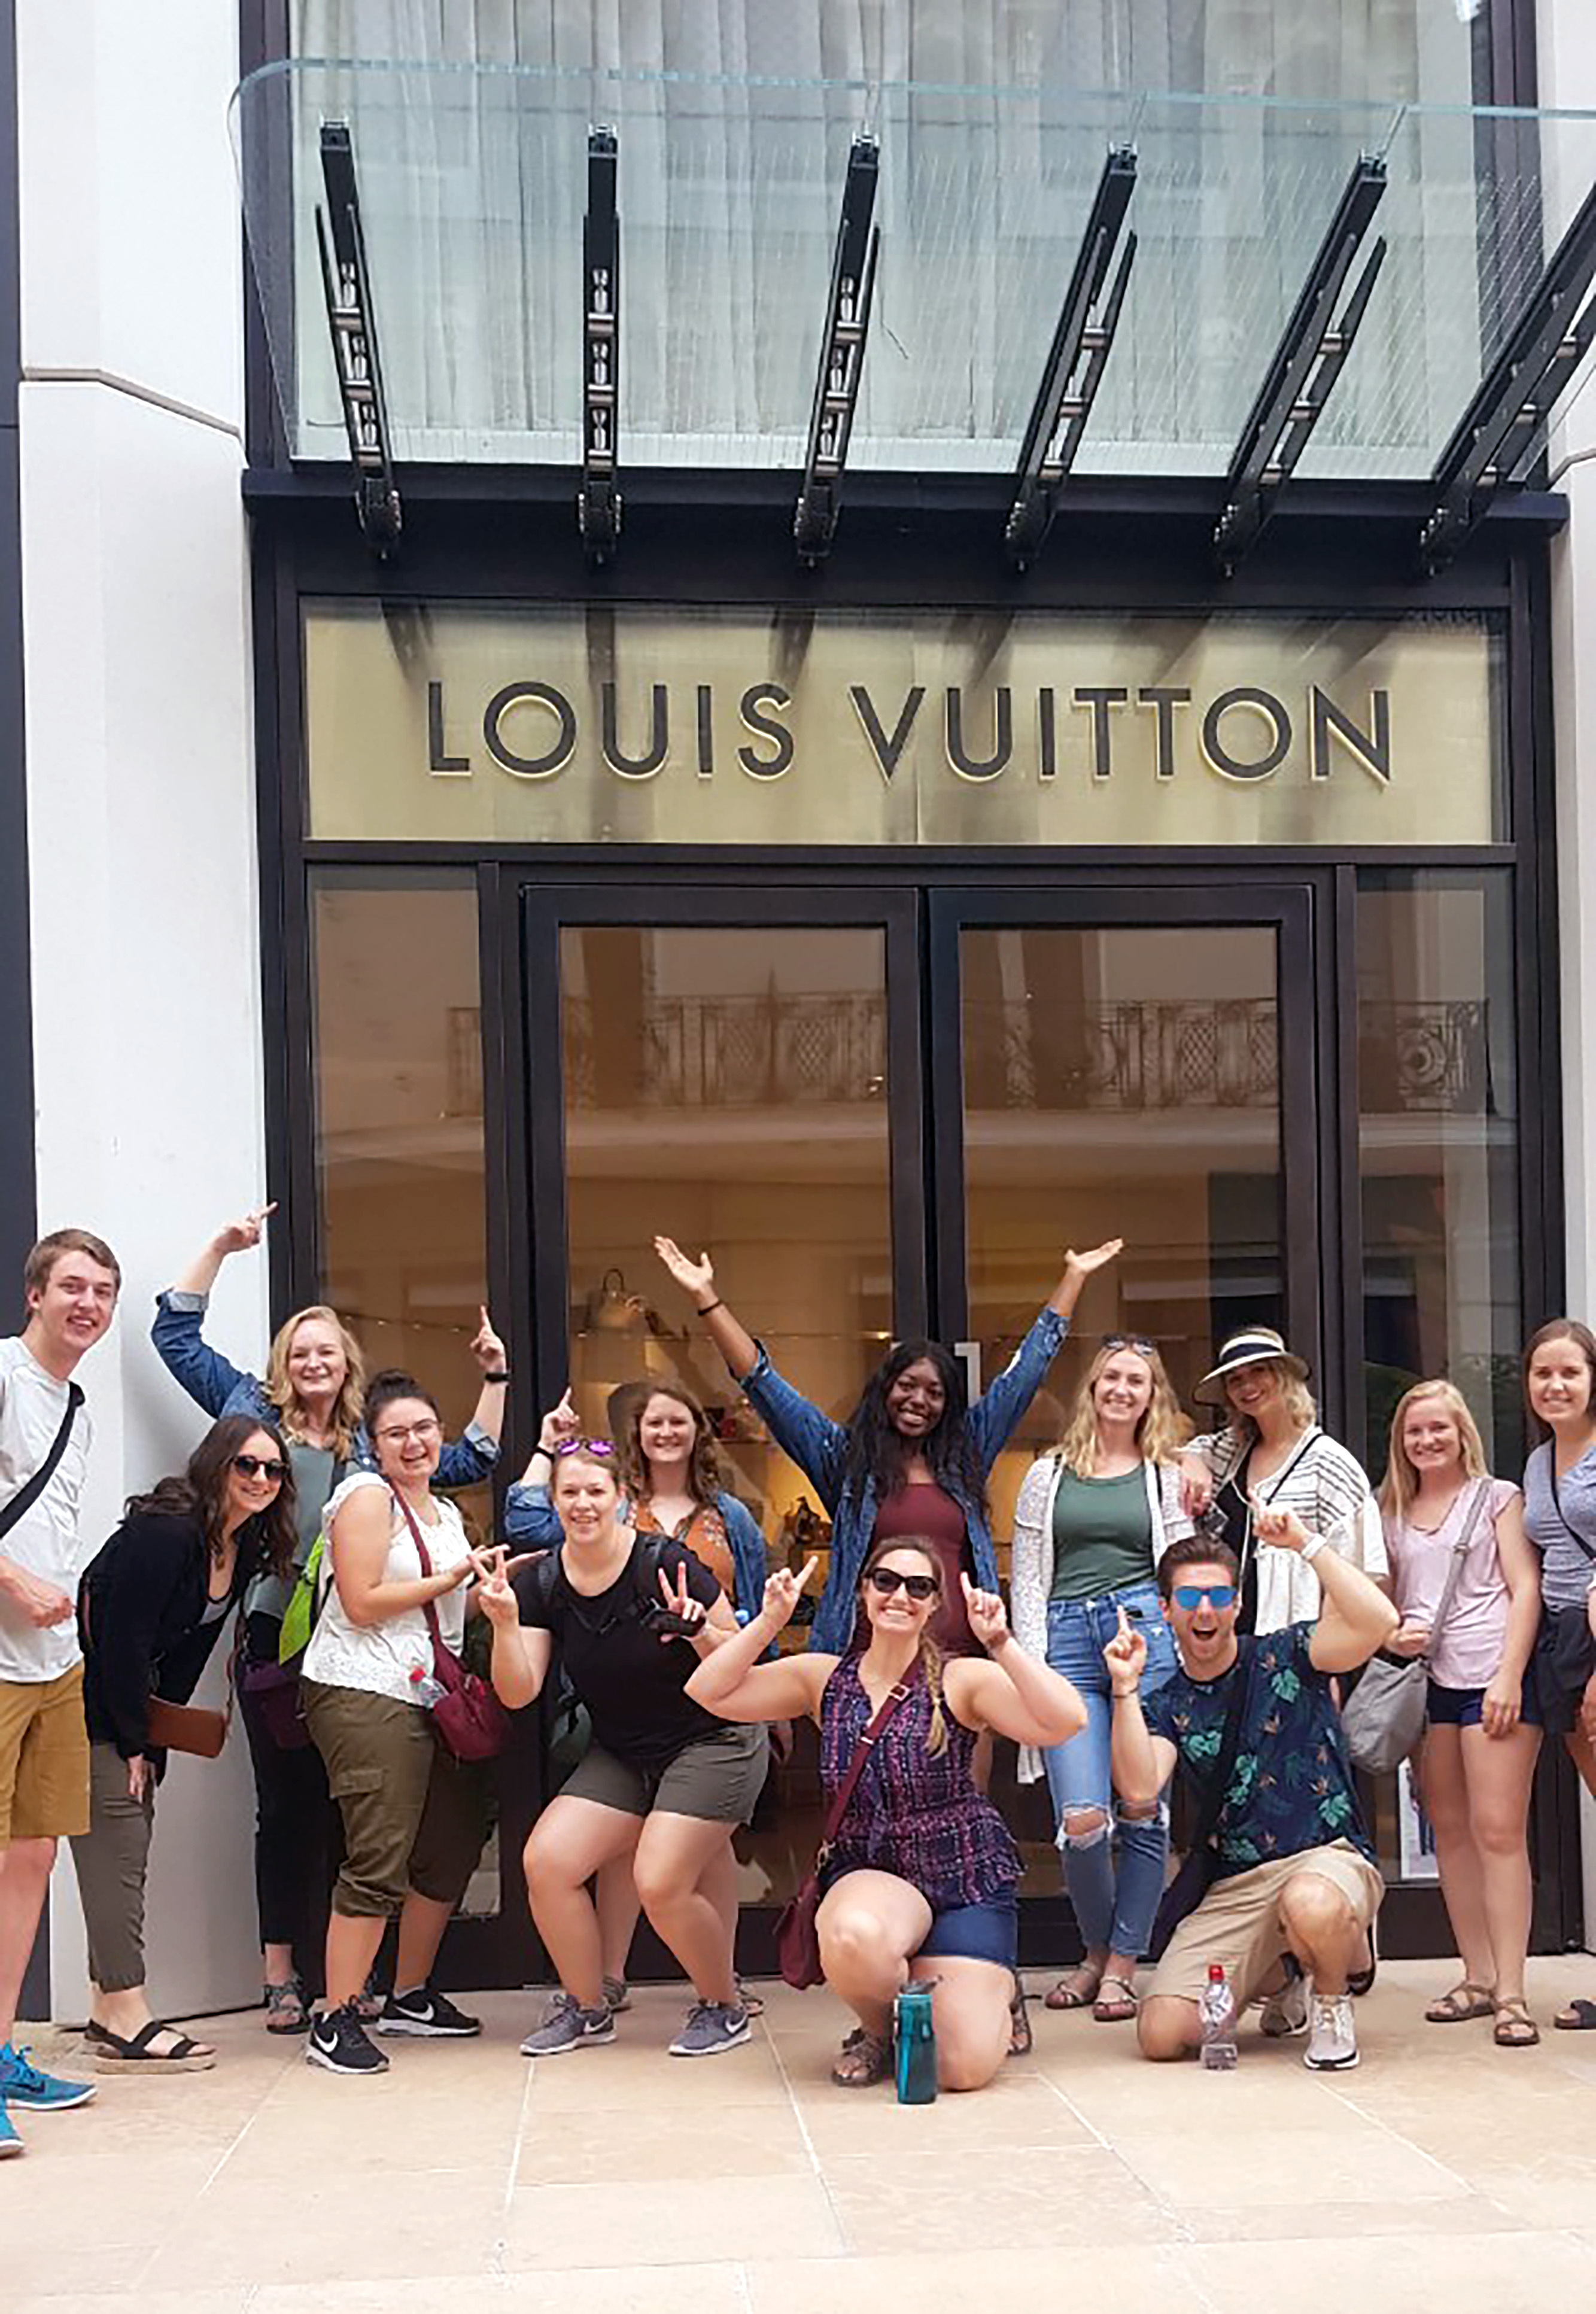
point(1114, 1911)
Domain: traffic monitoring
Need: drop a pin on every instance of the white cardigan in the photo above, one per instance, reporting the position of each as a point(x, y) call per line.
point(1031, 1561)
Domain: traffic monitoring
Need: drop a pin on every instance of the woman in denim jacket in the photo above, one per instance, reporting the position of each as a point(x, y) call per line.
point(313, 1393)
point(913, 1450)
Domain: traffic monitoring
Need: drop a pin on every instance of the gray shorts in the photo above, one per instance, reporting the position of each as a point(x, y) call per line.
point(719, 1778)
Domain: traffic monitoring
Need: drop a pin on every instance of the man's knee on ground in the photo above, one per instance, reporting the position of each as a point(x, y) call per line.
point(1166, 2028)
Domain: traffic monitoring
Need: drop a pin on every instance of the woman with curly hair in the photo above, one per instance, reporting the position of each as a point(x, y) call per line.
point(1092, 1521)
point(151, 1608)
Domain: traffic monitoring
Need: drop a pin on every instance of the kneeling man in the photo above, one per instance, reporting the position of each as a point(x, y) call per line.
point(1295, 1874)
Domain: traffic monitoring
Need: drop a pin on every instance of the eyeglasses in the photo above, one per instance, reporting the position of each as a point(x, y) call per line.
point(257, 1466)
point(886, 1580)
point(603, 1447)
point(1137, 1342)
point(1189, 1597)
point(397, 1436)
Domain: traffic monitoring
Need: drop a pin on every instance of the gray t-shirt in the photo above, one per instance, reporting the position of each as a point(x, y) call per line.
point(1568, 1576)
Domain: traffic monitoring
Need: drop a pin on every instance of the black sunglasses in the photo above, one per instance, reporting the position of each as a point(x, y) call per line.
point(886, 1580)
point(1137, 1342)
point(257, 1466)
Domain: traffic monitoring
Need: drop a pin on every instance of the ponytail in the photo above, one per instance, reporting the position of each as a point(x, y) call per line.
point(931, 1664)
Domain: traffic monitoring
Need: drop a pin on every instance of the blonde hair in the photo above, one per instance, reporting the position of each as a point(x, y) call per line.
point(348, 1407)
point(930, 1655)
point(1161, 1433)
point(1299, 1399)
point(1400, 1484)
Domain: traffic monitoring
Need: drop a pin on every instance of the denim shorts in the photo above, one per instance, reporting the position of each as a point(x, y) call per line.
point(986, 1931)
point(1462, 1707)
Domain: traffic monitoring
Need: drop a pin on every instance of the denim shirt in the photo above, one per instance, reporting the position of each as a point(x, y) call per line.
point(532, 1523)
point(216, 1384)
point(818, 1445)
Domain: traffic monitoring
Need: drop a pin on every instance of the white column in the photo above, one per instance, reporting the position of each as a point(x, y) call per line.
point(1567, 33)
point(140, 788)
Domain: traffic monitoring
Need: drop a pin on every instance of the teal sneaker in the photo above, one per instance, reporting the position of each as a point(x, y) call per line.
point(10, 2142)
point(23, 2084)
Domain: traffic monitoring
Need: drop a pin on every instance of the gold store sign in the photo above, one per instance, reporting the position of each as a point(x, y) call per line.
point(509, 724)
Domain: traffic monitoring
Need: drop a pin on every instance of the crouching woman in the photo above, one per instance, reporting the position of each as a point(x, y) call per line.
point(920, 1882)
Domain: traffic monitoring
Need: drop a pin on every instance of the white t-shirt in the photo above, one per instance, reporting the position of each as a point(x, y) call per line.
point(387, 1658)
point(44, 1539)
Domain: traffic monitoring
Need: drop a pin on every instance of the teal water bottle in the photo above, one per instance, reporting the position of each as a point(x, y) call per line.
point(916, 2045)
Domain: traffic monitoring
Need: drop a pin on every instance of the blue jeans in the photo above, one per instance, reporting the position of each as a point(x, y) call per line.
point(1115, 1911)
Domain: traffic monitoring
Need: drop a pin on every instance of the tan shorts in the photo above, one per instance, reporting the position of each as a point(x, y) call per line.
point(44, 1758)
point(1237, 1922)
point(717, 1779)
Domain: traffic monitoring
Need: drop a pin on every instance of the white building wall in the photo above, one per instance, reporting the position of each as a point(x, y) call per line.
point(140, 790)
point(1567, 33)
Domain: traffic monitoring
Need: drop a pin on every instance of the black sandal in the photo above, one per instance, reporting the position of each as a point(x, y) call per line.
point(112, 2052)
point(1579, 2017)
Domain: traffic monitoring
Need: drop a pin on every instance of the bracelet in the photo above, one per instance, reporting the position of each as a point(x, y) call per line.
point(1312, 1547)
point(717, 1303)
point(503, 1376)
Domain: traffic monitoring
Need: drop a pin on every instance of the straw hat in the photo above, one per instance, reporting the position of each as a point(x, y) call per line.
point(1253, 1345)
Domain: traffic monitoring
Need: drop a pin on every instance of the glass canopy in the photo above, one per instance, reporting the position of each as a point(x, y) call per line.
point(472, 185)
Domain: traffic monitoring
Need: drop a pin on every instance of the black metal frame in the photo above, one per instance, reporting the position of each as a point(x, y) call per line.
point(599, 500)
point(841, 367)
point(352, 327)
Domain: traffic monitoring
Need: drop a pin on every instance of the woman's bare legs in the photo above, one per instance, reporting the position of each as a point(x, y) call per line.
point(571, 1840)
point(615, 1895)
point(970, 2015)
point(682, 1866)
point(1499, 1771)
point(869, 1923)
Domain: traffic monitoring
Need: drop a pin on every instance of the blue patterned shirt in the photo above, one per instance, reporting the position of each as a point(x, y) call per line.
point(1292, 1787)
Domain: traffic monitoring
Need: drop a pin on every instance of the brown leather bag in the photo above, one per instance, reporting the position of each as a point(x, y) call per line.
point(192, 1727)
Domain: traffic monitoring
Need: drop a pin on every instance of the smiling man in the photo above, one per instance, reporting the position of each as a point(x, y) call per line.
point(1295, 1873)
point(70, 1284)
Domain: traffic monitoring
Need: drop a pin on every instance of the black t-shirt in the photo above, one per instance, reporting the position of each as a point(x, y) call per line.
point(629, 1679)
point(1235, 1509)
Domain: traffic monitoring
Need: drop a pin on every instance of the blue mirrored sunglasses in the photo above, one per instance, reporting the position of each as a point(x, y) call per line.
point(1189, 1597)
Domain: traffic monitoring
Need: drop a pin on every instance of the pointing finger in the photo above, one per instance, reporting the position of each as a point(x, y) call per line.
point(806, 1570)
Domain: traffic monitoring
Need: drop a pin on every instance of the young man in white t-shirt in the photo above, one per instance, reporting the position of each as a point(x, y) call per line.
point(70, 1281)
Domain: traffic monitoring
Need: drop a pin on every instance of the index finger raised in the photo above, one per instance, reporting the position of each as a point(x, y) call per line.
point(806, 1570)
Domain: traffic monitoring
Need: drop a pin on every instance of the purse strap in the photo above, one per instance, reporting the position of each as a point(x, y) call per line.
point(1482, 1487)
point(1214, 1799)
point(28, 1494)
point(1572, 1533)
point(869, 1738)
point(428, 1609)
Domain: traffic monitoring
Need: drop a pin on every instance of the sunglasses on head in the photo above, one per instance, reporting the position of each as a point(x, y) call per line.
point(886, 1580)
point(257, 1466)
point(603, 1447)
point(1189, 1597)
point(1137, 1342)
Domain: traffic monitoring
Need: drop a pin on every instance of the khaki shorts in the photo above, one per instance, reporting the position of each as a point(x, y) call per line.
point(44, 1758)
point(414, 1817)
point(1237, 1922)
point(717, 1779)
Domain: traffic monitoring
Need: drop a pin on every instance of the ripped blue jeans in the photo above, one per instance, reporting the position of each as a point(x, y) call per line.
point(1113, 1908)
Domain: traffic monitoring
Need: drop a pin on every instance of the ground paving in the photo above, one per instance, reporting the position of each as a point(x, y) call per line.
point(1442, 2174)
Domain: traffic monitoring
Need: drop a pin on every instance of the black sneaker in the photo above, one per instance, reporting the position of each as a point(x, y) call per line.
point(338, 2040)
point(427, 2014)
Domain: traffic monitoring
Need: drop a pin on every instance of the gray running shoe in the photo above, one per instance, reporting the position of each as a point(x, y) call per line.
point(568, 2026)
point(1332, 2035)
point(711, 2026)
point(1285, 2012)
point(617, 1994)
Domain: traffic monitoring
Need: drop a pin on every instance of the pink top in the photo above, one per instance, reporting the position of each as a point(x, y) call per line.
point(1469, 1647)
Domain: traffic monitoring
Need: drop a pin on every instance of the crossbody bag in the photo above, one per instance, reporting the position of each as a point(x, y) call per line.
point(1384, 1715)
point(469, 1719)
point(29, 1492)
point(797, 1939)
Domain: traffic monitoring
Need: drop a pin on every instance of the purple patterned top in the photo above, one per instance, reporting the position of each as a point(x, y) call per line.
point(913, 1811)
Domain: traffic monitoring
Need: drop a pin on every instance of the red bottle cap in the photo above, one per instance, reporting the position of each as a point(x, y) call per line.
point(1216, 1972)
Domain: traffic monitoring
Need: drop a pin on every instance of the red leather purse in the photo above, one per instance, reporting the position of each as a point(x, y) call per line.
point(471, 1722)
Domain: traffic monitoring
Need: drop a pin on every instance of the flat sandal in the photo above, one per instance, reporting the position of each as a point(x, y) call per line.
point(1461, 2005)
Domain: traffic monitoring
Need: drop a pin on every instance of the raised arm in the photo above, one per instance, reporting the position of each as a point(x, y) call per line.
point(209, 1378)
point(1355, 1617)
point(1012, 1692)
point(999, 1409)
point(488, 1421)
point(696, 1278)
point(1078, 1268)
point(1142, 1762)
point(359, 1536)
point(733, 1683)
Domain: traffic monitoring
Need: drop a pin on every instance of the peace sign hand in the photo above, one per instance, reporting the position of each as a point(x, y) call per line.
point(683, 1617)
point(782, 1593)
point(1125, 1656)
point(495, 1597)
point(694, 1277)
point(988, 1617)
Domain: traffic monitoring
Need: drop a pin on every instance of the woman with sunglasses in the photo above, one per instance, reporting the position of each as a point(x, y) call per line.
point(313, 1393)
point(1484, 1735)
point(670, 1477)
point(415, 1818)
point(151, 1608)
point(662, 1787)
point(1092, 1521)
point(920, 1884)
point(913, 1457)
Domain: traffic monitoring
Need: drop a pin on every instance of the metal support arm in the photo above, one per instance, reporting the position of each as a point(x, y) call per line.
point(842, 356)
point(346, 286)
point(598, 501)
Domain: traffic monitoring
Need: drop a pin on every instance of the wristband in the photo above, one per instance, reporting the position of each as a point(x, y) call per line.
point(717, 1303)
point(503, 1376)
point(1312, 1547)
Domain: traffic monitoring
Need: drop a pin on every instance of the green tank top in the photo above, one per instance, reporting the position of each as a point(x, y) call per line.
point(1102, 1534)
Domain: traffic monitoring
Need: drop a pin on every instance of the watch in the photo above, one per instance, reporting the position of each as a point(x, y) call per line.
point(1312, 1547)
point(502, 1375)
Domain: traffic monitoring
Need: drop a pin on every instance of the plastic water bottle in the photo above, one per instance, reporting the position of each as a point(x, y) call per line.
point(916, 2045)
point(425, 1690)
point(1217, 2009)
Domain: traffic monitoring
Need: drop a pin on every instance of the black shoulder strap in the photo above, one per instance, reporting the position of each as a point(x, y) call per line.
point(534, 1584)
point(646, 1565)
point(1572, 1533)
point(28, 1494)
point(1213, 1797)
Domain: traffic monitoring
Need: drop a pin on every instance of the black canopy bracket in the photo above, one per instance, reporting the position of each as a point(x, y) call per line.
point(1311, 355)
point(1494, 439)
point(1076, 361)
point(842, 356)
point(351, 321)
point(599, 500)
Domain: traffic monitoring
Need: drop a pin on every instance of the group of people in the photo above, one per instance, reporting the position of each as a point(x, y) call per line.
point(1174, 1599)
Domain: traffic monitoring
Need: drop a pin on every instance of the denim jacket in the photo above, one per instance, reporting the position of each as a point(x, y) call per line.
point(532, 1523)
point(818, 1445)
point(216, 1384)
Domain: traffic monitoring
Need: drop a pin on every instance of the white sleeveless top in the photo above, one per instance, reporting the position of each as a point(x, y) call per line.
point(387, 1658)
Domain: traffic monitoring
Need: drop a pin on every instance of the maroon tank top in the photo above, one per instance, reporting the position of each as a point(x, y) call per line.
point(930, 1513)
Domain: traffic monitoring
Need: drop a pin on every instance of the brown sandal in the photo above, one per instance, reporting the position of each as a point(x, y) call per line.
point(1077, 1995)
point(865, 2059)
point(1461, 2005)
point(1019, 2023)
point(1117, 2008)
point(1515, 2028)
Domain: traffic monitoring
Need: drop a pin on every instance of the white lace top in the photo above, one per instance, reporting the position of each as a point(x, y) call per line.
point(386, 1658)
